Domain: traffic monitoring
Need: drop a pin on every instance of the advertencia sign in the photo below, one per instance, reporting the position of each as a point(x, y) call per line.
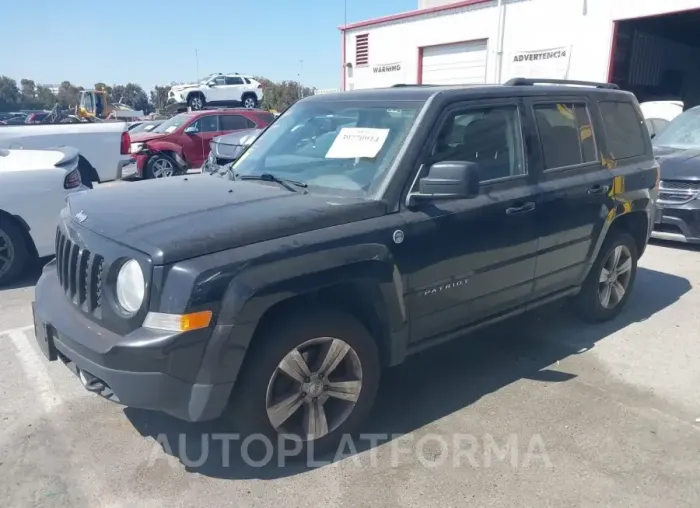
point(544, 63)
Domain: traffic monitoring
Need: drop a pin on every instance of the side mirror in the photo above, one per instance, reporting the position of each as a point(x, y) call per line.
point(211, 83)
point(652, 135)
point(192, 129)
point(449, 180)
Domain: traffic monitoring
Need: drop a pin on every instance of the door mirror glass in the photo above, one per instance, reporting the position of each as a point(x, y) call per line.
point(192, 129)
point(449, 180)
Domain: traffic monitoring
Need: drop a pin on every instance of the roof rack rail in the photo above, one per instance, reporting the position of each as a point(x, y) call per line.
point(403, 85)
point(533, 81)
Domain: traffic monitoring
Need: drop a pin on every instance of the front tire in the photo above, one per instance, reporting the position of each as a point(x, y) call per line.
point(610, 281)
point(160, 166)
point(14, 252)
point(310, 379)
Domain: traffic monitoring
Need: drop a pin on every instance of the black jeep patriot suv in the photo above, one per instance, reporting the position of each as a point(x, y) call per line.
point(361, 227)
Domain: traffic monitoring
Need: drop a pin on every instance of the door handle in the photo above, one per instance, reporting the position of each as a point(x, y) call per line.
point(527, 207)
point(598, 189)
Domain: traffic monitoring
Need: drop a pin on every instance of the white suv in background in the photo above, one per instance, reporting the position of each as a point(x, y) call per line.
point(229, 90)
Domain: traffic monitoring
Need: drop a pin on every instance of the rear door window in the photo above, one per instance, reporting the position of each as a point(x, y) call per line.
point(623, 128)
point(234, 80)
point(235, 122)
point(566, 134)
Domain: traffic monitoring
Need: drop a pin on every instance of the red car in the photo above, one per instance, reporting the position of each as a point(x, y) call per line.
point(182, 142)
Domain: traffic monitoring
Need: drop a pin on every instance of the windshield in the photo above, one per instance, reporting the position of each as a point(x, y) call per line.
point(683, 131)
point(345, 147)
point(171, 125)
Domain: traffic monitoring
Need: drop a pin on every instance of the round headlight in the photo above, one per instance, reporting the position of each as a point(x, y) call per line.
point(131, 287)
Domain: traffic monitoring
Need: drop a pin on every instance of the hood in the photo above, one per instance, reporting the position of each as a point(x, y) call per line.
point(35, 160)
point(678, 163)
point(179, 218)
point(230, 146)
point(179, 88)
point(238, 138)
point(142, 137)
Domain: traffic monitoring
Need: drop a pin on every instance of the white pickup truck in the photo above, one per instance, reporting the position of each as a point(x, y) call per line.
point(103, 146)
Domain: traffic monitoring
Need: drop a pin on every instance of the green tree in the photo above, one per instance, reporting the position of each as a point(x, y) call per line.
point(132, 95)
point(68, 94)
point(10, 96)
point(45, 98)
point(279, 96)
point(159, 97)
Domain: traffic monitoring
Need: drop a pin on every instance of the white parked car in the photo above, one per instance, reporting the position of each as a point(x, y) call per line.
point(103, 146)
point(33, 189)
point(658, 114)
point(230, 90)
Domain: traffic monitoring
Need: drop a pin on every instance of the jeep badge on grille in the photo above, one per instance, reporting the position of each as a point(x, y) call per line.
point(80, 217)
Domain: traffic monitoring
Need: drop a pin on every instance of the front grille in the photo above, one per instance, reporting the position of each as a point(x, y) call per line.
point(675, 184)
point(678, 192)
point(222, 162)
point(80, 274)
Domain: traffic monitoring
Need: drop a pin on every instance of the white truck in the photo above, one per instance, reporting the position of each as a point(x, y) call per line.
point(103, 146)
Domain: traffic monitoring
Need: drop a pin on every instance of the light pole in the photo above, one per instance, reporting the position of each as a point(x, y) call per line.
point(196, 63)
point(301, 87)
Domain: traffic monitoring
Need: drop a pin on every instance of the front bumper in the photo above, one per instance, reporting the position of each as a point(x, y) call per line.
point(680, 223)
point(121, 369)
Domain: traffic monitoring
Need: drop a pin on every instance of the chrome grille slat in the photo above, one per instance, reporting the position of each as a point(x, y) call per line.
point(79, 274)
point(678, 192)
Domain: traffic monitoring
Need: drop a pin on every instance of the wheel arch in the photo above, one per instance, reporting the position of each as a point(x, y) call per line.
point(85, 165)
point(23, 227)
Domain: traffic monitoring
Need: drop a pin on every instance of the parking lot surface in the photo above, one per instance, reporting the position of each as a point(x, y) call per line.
point(539, 411)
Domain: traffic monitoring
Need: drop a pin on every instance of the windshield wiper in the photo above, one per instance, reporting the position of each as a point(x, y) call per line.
point(269, 177)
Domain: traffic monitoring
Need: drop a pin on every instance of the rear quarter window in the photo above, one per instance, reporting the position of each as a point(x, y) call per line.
point(624, 129)
point(266, 118)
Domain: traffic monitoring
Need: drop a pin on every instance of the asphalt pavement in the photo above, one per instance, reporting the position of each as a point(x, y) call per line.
point(539, 411)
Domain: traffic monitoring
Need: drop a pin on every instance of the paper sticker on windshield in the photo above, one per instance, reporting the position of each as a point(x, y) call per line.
point(355, 142)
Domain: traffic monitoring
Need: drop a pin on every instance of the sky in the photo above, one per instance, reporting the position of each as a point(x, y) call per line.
point(153, 42)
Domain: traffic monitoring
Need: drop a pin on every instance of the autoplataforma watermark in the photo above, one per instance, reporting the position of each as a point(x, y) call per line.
point(366, 450)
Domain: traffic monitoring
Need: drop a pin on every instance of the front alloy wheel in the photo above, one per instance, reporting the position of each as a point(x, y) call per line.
point(615, 276)
point(163, 168)
point(314, 388)
point(249, 103)
point(7, 253)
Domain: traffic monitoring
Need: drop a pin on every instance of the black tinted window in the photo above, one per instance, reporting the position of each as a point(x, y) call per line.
point(234, 80)
point(566, 134)
point(235, 122)
point(208, 123)
point(491, 137)
point(266, 118)
point(247, 81)
point(623, 127)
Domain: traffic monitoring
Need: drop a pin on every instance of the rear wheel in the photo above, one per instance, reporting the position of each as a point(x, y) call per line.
point(195, 101)
point(160, 166)
point(250, 101)
point(309, 380)
point(14, 252)
point(611, 279)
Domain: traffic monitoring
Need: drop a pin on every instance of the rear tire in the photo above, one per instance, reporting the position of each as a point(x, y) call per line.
point(610, 280)
point(14, 251)
point(263, 383)
point(249, 101)
point(196, 101)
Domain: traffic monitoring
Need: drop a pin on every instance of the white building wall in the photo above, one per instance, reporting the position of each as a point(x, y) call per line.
point(584, 26)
